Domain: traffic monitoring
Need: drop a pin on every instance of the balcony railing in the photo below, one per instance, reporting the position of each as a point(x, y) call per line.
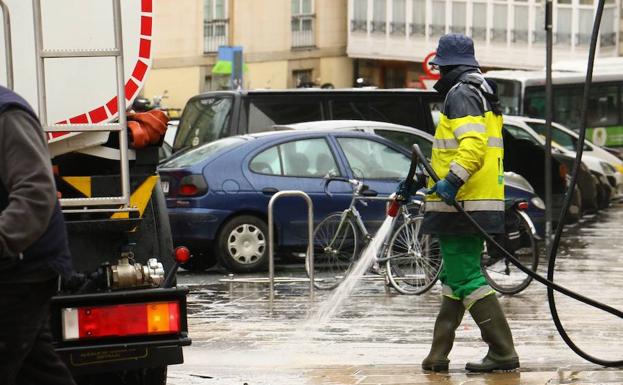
point(358, 25)
point(520, 36)
point(608, 39)
point(398, 28)
point(418, 29)
point(479, 33)
point(215, 34)
point(379, 27)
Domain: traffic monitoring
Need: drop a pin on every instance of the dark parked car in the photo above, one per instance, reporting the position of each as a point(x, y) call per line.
point(214, 115)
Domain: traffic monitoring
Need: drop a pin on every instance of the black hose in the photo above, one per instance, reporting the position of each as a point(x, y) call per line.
point(550, 284)
point(567, 203)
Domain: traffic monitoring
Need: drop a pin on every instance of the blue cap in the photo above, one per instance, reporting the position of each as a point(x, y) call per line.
point(455, 49)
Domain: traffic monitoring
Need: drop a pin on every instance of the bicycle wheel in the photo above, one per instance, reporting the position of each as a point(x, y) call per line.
point(500, 272)
point(334, 252)
point(413, 259)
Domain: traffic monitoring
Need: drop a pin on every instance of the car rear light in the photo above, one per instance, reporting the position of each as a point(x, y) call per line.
point(523, 206)
point(192, 185)
point(562, 170)
point(134, 319)
point(188, 190)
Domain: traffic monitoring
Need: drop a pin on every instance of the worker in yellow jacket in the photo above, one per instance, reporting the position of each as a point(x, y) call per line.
point(468, 154)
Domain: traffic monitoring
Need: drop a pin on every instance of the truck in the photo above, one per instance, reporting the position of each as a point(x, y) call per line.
point(121, 318)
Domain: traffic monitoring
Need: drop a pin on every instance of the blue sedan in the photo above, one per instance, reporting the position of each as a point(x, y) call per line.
point(218, 193)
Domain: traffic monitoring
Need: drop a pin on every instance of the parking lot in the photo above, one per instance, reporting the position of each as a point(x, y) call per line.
point(379, 337)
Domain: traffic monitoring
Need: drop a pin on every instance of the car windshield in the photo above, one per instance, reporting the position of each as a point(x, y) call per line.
point(203, 121)
point(197, 154)
point(509, 92)
point(562, 138)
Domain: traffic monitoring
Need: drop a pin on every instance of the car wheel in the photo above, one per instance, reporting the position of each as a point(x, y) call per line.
point(575, 210)
point(243, 244)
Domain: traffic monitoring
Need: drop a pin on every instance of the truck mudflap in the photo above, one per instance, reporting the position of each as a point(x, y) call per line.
point(108, 343)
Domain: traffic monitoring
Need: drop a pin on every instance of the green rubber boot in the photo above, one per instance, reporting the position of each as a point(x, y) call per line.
point(448, 319)
point(494, 329)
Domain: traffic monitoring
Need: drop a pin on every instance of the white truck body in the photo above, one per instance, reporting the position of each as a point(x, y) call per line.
point(79, 90)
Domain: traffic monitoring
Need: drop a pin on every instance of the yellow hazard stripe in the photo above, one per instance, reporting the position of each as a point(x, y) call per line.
point(80, 183)
point(140, 197)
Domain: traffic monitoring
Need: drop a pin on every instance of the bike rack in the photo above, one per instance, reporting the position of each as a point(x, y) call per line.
point(271, 252)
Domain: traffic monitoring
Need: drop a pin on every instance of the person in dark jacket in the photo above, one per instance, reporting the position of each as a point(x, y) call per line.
point(468, 153)
point(33, 249)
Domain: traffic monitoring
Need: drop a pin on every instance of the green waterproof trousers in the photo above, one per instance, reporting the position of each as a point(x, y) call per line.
point(461, 276)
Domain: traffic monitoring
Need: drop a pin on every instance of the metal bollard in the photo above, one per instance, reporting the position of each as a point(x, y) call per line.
point(271, 239)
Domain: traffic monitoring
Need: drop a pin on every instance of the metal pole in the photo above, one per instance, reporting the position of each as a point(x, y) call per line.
point(123, 134)
point(41, 98)
point(548, 124)
point(271, 239)
point(7, 44)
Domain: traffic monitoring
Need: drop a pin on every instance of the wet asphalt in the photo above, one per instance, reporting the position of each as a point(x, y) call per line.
point(378, 336)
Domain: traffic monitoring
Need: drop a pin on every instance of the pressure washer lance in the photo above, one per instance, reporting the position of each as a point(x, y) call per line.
point(417, 156)
point(397, 200)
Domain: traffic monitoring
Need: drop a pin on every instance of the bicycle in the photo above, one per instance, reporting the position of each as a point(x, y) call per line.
point(412, 260)
point(520, 240)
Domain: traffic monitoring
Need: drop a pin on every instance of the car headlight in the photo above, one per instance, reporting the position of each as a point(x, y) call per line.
point(538, 203)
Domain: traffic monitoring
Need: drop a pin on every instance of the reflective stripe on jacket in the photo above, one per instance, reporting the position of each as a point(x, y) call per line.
point(468, 141)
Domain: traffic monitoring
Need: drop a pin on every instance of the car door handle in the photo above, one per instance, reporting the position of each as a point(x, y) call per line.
point(269, 191)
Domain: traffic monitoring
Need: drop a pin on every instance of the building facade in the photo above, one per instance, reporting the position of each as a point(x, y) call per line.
point(390, 38)
point(286, 43)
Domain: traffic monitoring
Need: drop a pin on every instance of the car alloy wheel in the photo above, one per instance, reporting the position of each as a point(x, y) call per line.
point(246, 244)
point(243, 244)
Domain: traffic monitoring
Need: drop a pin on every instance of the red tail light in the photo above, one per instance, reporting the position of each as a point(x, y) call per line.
point(182, 254)
point(562, 170)
point(121, 320)
point(523, 206)
point(392, 208)
point(188, 190)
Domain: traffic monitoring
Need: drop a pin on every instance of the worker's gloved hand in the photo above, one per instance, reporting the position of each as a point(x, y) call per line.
point(446, 190)
point(405, 191)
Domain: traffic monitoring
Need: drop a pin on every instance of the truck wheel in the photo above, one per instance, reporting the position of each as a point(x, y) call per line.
point(145, 376)
point(243, 244)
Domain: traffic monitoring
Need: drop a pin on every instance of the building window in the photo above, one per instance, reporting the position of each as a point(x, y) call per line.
point(438, 26)
point(563, 26)
point(303, 23)
point(215, 25)
point(379, 17)
point(399, 13)
point(303, 78)
point(500, 22)
point(479, 21)
point(607, 36)
point(418, 17)
point(459, 14)
point(521, 26)
point(539, 22)
point(359, 23)
point(585, 25)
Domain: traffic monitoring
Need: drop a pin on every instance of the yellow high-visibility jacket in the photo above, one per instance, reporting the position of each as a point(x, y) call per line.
point(468, 141)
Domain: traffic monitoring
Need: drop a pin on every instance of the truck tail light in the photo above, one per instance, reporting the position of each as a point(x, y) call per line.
point(134, 319)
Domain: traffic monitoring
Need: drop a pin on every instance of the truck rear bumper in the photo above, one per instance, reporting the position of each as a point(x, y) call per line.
point(91, 355)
